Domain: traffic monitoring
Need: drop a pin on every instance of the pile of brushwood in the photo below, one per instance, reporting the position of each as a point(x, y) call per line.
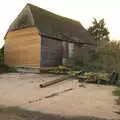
point(100, 77)
point(59, 70)
point(90, 77)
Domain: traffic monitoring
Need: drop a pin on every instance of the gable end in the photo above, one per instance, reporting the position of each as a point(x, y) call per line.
point(24, 19)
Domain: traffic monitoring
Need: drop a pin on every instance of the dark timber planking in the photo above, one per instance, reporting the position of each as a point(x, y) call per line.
point(51, 52)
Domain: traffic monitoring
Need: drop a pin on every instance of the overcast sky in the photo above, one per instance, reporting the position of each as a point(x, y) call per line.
point(81, 10)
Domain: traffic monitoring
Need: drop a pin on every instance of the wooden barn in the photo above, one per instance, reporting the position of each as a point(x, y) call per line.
point(39, 38)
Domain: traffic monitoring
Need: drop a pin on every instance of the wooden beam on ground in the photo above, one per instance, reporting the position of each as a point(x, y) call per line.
point(52, 82)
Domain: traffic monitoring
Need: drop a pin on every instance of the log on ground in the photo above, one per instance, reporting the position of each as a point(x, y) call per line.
point(52, 82)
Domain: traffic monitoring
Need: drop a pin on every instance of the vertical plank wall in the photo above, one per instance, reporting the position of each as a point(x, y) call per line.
point(51, 52)
point(22, 48)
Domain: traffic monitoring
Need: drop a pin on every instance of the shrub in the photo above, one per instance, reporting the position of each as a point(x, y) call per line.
point(117, 93)
point(5, 68)
point(12, 69)
point(118, 83)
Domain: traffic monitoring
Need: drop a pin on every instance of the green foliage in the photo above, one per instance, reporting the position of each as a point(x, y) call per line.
point(12, 69)
point(56, 70)
point(93, 58)
point(59, 70)
point(106, 58)
point(84, 56)
point(118, 83)
point(2, 55)
point(117, 93)
point(109, 56)
point(97, 76)
point(99, 31)
point(5, 69)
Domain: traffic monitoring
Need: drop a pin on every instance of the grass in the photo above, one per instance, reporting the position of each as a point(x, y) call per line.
point(117, 93)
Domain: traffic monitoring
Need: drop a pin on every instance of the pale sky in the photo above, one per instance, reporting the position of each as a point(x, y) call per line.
point(81, 10)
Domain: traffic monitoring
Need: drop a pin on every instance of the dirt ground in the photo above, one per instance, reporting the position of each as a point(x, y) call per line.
point(66, 98)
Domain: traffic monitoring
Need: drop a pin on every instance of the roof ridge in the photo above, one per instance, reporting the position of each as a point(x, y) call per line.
point(29, 4)
point(63, 17)
point(51, 24)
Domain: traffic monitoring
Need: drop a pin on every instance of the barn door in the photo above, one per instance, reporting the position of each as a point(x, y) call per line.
point(51, 52)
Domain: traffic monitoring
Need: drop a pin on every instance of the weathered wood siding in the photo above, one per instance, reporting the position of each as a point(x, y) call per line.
point(22, 48)
point(51, 52)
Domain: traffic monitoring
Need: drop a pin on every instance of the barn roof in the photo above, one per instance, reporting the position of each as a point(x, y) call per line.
point(51, 24)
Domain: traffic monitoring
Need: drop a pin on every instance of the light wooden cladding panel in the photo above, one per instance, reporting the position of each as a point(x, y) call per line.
point(22, 48)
